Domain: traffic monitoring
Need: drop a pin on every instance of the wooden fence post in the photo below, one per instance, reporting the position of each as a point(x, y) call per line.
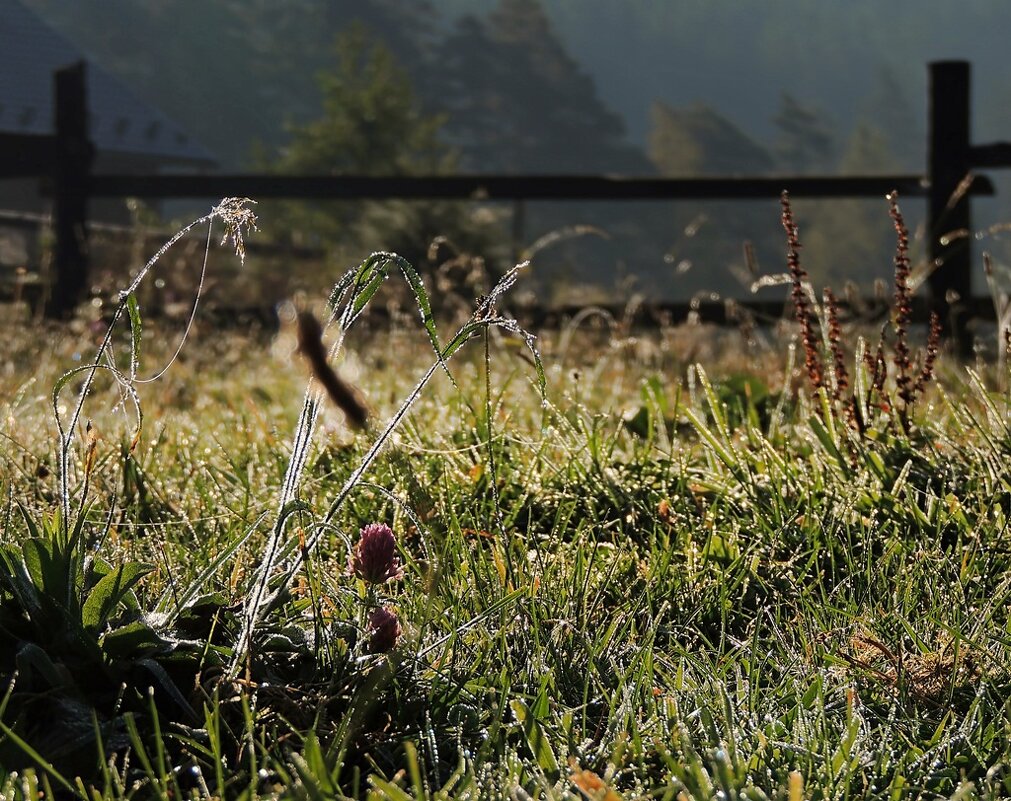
point(950, 159)
point(950, 220)
point(71, 174)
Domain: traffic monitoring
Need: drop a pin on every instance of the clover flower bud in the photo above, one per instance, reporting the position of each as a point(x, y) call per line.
point(384, 630)
point(374, 559)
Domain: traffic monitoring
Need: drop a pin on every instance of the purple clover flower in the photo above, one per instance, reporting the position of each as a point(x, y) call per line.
point(384, 630)
point(374, 559)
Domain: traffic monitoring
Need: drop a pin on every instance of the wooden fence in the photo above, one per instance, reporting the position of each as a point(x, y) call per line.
point(64, 161)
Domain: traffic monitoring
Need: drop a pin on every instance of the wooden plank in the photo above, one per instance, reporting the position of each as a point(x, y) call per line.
point(505, 187)
point(70, 198)
point(948, 148)
point(25, 155)
point(997, 154)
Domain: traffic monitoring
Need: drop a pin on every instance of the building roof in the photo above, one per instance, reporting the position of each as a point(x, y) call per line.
point(30, 51)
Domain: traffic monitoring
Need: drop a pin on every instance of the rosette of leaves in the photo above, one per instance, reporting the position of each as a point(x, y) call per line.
point(77, 653)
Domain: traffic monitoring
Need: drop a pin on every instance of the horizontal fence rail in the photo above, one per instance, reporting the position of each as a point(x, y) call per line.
point(63, 163)
point(508, 187)
point(743, 313)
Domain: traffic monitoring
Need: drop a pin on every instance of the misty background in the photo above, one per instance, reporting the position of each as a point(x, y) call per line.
point(638, 87)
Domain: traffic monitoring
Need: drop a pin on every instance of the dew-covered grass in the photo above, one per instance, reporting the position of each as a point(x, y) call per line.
point(650, 579)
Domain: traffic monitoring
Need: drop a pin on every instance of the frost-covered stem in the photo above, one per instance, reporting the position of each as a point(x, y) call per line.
point(67, 434)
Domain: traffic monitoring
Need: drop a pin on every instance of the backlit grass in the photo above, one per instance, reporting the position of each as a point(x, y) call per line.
point(654, 580)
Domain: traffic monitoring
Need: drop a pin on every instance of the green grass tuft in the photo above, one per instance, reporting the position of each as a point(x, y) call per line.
point(624, 576)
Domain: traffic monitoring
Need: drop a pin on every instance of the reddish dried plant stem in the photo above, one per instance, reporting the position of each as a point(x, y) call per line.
point(930, 357)
point(876, 364)
point(842, 379)
point(902, 311)
point(801, 306)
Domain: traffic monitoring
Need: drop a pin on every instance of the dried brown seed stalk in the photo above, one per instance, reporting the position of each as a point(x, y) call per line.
point(801, 307)
point(903, 304)
point(842, 379)
point(930, 356)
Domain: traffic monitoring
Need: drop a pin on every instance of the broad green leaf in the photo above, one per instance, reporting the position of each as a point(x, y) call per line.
point(536, 739)
point(33, 660)
point(109, 592)
point(14, 575)
point(48, 569)
point(33, 528)
point(130, 639)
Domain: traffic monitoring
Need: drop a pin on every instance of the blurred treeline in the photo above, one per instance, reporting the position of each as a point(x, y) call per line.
point(408, 86)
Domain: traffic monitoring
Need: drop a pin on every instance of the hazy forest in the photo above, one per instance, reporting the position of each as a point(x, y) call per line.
point(522, 86)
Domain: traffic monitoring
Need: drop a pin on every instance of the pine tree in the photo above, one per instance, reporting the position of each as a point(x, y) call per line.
point(517, 102)
point(372, 123)
point(697, 141)
point(889, 110)
point(805, 142)
point(851, 240)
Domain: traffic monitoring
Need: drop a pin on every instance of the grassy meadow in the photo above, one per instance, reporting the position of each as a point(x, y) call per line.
point(675, 564)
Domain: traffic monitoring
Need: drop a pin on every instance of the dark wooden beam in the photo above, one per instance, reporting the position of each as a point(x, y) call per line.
point(26, 155)
point(70, 196)
point(507, 187)
point(949, 164)
point(997, 154)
